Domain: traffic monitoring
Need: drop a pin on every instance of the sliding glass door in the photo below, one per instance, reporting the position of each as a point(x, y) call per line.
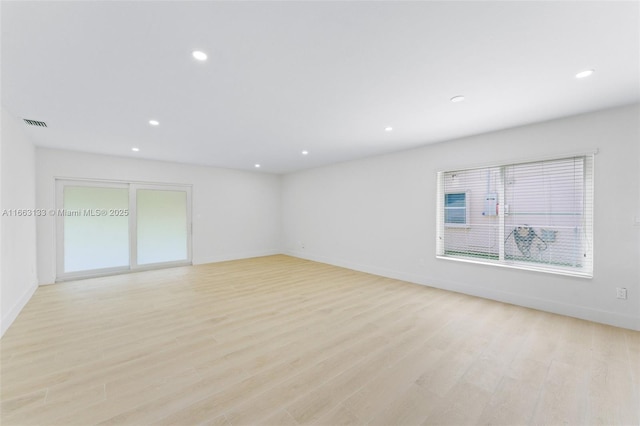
point(93, 241)
point(162, 225)
point(106, 228)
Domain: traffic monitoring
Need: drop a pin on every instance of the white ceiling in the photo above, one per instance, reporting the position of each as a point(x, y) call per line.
point(326, 77)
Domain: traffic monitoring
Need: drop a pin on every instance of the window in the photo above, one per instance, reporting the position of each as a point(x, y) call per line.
point(534, 215)
point(455, 209)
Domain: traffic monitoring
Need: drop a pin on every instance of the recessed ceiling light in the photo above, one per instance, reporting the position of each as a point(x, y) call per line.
point(388, 129)
point(585, 73)
point(257, 166)
point(458, 98)
point(154, 122)
point(199, 55)
point(134, 149)
point(305, 152)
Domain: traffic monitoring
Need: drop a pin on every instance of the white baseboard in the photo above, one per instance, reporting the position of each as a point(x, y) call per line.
point(10, 317)
point(195, 261)
point(236, 256)
point(582, 312)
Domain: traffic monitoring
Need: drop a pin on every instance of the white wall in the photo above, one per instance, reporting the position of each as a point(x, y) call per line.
point(375, 215)
point(236, 214)
point(378, 215)
point(18, 248)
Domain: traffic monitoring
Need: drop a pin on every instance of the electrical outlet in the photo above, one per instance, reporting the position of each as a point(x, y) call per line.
point(621, 293)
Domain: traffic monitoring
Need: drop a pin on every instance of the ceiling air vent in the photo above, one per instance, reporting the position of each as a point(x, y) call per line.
point(35, 123)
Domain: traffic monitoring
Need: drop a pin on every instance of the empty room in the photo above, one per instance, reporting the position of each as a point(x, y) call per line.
point(320, 212)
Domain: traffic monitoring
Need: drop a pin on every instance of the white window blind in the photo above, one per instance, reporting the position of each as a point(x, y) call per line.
point(534, 215)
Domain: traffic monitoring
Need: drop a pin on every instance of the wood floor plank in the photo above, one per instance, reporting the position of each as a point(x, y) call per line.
point(283, 341)
point(462, 405)
point(563, 396)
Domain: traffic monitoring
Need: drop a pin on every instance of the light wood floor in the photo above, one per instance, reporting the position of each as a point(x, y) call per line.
point(283, 341)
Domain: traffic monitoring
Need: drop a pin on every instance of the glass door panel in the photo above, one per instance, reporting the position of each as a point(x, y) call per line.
point(95, 228)
point(162, 222)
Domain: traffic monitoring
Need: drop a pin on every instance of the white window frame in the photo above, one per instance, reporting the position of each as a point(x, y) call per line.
point(586, 271)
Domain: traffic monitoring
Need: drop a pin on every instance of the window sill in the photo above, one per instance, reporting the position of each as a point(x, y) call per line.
point(563, 272)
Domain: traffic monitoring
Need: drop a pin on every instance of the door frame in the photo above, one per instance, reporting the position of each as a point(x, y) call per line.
point(132, 187)
point(133, 225)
